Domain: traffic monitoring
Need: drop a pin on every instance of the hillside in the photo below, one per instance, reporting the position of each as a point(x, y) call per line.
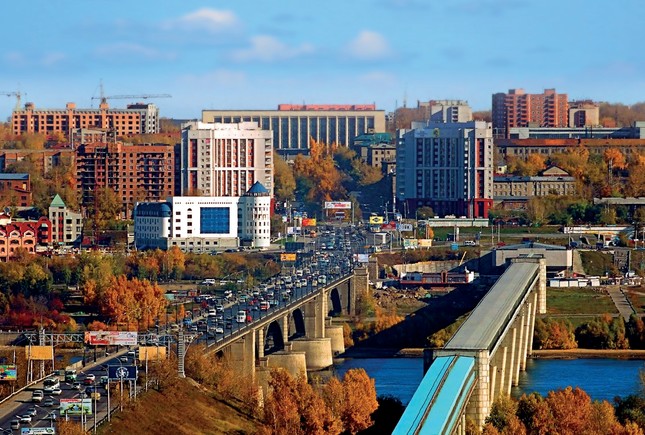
point(182, 409)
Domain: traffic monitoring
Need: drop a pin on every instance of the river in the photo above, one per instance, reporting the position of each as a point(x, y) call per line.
point(602, 379)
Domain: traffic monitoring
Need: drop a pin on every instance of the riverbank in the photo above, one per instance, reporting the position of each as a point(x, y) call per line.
point(377, 352)
point(588, 353)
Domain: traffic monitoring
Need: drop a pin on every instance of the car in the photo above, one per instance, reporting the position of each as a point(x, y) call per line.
point(76, 386)
point(88, 381)
point(48, 402)
point(52, 416)
point(124, 358)
point(219, 330)
point(56, 392)
point(25, 418)
point(15, 424)
point(37, 396)
point(32, 411)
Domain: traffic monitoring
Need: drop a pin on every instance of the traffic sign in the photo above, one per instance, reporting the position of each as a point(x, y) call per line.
point(122, 373)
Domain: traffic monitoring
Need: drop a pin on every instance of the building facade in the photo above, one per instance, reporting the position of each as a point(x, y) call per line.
point(66, 225)
point(134, 172)
point(584, 114)
point(447, 110)
point(293, 126)
point(205, 223)
point(136, 119)
point(522, 148)
point(15, 190)
point(514, 191)
point(519, 109)
point(31, 236)
point(44, 160)
point(219, 159)
point(448, 167)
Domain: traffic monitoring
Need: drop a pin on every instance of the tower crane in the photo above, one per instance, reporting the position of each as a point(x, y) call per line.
point(127, 97)
point(16, 94)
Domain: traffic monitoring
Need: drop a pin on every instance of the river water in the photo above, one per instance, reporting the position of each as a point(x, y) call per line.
point(602, 379)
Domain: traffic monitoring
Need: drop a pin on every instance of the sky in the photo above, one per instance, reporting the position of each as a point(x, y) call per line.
point(244, 54)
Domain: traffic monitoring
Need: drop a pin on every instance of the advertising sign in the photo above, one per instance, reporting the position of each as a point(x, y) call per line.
point(8, 372)
point(152, 353)
point(75, 407)
point(410, 243)
point(391, 226)
point(111, 338)
point(338, 205)
point(40, 353)
point(362, 258)
point(288, 257)
point(294, 246)
point(425, 243)
point(308, 222)
point(37, 431)
point(404, 227)
point(376, 220)
point(122, 373)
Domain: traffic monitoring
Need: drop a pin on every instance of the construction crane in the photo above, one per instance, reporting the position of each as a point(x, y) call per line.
point(16, 94)
point(129, 97)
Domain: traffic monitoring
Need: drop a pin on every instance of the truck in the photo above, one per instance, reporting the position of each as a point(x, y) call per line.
point(380, 238)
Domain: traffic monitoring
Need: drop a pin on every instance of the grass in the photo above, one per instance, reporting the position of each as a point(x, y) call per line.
point(578, 301)
point(596, 262)
point(637, 298)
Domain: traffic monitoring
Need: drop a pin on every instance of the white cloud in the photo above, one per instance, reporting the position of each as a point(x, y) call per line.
point(369, 45)
point(268, 49)
point(212, 20)
point(52, 59)
point(130, 50)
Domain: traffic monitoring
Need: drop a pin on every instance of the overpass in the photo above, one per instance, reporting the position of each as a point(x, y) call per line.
point(483, 360)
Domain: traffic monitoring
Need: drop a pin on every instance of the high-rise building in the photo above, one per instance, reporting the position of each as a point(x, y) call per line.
point(447, 110)
point(293, 126)
point(136, 119)
point(220, 159)
point(519, 109)
point(135, 172)
point(446, 166)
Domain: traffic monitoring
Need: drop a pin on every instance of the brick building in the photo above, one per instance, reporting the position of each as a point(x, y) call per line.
point(134, 172)
point(519, 109)
point(522, 148)
point(15, 190)
point(27, 235)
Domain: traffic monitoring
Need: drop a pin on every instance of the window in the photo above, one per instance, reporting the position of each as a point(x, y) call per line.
point(214, 220)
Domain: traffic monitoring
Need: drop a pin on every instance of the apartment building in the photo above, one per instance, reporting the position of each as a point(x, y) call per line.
point(522, 148)
point(519, 109)
point(44, 160)
point(584, 114)
point(205, 223)
point(28, 235)
point(135, 172)
point(15, 190)
point(293, 126)
point(66, 225)
point(446, 166)
point(224, 159)
point(135, 119)
point(447, 110)
point(513, 192)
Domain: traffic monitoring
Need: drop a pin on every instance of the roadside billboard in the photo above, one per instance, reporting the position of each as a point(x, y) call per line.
point(410, 243)
point(391, 226)
point(37, 431)
point(8, 372)
point(404, 227)
point(152, 353)
point(111, 338)
point(338, 205)
point(39, 353)
point(75, 407)
point(288, 257)
point(425, 243)
point(308, 222)
point(376, 220)
point(362, 258)
point(122, 373)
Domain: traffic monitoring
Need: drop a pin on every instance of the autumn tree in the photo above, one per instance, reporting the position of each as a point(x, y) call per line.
point(359, 401)
point(107, 206)
point(133, 302)
point(283, 179)
point(614, 158)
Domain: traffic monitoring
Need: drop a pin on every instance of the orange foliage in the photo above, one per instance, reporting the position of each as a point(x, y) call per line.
point(616, 158)
point(133, 301)
point(320, 169)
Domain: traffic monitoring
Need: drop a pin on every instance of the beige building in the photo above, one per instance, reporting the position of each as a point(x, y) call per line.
point(514, 191)
point(293, 126)
point(584, 114)
point(224, 159)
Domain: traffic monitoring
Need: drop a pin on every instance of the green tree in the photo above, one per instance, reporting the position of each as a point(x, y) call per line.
point(284, 181)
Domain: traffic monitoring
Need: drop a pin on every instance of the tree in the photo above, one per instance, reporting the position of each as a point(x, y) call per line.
point(283, 179)
point(107, 206)
point(360, 401)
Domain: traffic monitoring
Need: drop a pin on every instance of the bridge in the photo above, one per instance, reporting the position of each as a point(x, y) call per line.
point(298, 336)
point(483, 360)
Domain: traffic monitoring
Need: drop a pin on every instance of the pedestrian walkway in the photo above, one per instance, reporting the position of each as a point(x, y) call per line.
point(623, 305)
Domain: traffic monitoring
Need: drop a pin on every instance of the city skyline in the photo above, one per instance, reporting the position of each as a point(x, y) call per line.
point(211, 55)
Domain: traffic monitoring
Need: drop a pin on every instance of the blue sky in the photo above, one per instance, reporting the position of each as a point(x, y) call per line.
point(247, 54)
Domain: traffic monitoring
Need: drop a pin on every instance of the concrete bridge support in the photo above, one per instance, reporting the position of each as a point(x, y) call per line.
point(359, 285)
point(317, 352)
point(314, 316)
point(242, 355)
point(335, 334)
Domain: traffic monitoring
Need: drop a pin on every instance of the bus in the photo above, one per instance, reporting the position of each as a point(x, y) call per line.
point(264, 305)
point(339, 215)
point(51, 384)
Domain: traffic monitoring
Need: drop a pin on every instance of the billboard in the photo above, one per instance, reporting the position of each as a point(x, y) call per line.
point(294, 246)
point(122, 373)
point(410, 243)
point(152, 353)
point(404, 227)
point(362, 258)
point(41, 353)
point(75, 407)
point(391, 226)
point(8, 372)
point(425, 243)
point(338, 205)
point(376, 220)
point(308, 222)
point(288, 257)
point(37, 431)
point(111, 338)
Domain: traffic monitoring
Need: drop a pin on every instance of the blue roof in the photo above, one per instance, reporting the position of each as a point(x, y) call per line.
point(257, 188)
point(7, 176)
point(441, 397)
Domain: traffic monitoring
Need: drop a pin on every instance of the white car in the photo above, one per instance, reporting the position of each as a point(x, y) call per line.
point(90, 376)
point(26, 418)
point(56, 392)
point(219, 330)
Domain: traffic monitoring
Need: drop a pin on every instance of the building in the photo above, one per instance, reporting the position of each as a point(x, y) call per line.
point(135, 172)
point(447, 110)
point(635, 131)
point(522, 148)
point(218, 159)
point(378, 154)
point(136, 119)
point(448, 167)
point(205, 224)
point(584, 114)
point(44, 160)
point(293, 126)
point(15, 190)
point(31, 236)
point(66, 225)
point(519, 109)
point(513, 192)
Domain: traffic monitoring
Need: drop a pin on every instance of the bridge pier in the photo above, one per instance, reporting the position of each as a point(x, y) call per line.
point(317, 352)
point(242, 355)
point(337, 337)
point(314, 317)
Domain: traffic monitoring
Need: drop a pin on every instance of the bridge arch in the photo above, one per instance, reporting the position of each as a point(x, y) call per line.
point(335, 305)
point(273, 339)
point(297, 324)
